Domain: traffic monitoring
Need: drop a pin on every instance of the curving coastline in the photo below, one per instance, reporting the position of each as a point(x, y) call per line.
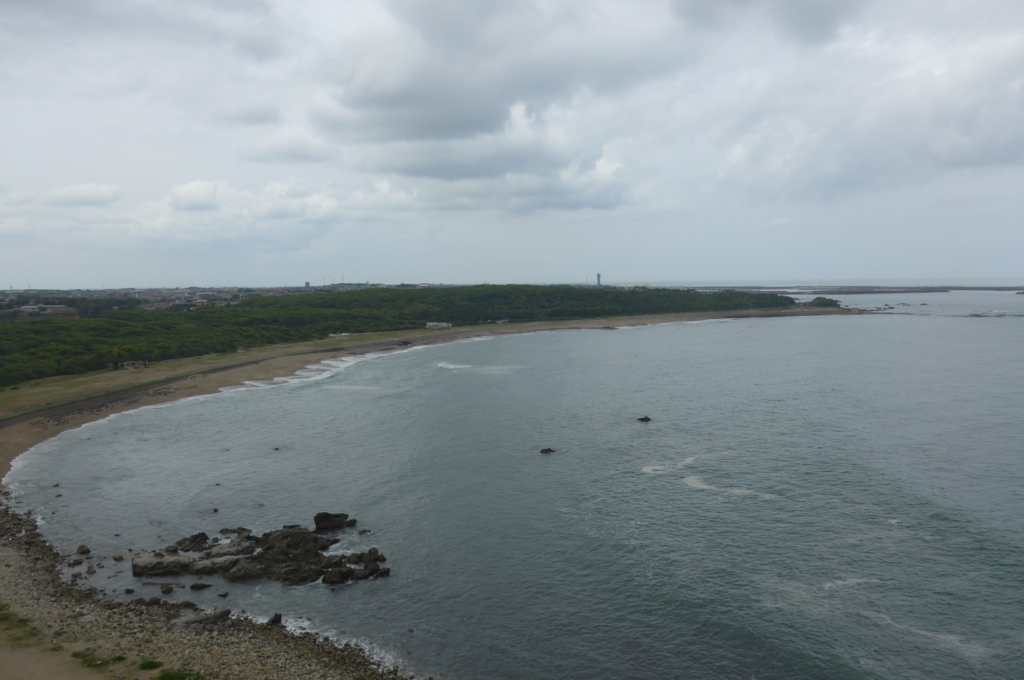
point(33, 588)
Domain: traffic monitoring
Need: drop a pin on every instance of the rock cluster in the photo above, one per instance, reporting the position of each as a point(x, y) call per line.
point(293, 555)
point(63, 620)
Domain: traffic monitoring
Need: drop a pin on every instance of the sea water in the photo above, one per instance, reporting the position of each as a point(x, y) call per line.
point(834, 497)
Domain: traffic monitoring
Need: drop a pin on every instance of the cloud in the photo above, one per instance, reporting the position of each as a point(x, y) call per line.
point(808, 21)
point(284, 214)
point(252, 114)
point(290, 145)
point(199, 195)
point(84, 195)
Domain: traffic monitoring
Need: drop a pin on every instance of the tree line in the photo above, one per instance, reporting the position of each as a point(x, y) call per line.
point(29, 351)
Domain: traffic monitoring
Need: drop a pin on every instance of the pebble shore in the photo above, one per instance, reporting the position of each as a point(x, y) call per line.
point(39, 610)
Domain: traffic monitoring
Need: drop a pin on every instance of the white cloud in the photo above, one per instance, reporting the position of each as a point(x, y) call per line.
point(708, 116)
point(291, 145)
point(197, 195)
point(84, 195)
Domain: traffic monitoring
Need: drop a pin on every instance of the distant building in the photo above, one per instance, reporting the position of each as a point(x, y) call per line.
point(599, 279)
point(437, 325)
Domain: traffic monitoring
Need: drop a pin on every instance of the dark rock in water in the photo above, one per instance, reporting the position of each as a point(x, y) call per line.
point(200, 586)
point(118, 558)
point(547, 451)
point(364, 532)
point(245, 570)
point(384, 571)
point(90, 570)
point(202, 568)
point(292, 555)
point(275, 620)
point(338, 575)
point(222, 594)
point(129, 591)
point(226, 531)
point(194, 543)
point(83, 550)
point(645, 419)
point(158, 564)
point(167, 589)
point(325, 521)
point(75, 562)
point(350, 523)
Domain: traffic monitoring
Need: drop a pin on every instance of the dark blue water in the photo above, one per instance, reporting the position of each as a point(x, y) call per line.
point(838, 497)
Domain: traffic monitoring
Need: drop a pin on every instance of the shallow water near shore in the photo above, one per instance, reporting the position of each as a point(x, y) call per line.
point(815, 497)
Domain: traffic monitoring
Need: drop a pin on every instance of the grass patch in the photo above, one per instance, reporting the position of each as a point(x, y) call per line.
point(150, 665)
point(178, 675)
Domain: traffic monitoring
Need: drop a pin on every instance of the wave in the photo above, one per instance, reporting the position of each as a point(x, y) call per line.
point(698, 483)
point(445, 364)
point(847, 582)
point(665, 469)
point(971, 650)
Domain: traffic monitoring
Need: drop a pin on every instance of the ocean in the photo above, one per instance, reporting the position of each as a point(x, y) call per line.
point(814, 497)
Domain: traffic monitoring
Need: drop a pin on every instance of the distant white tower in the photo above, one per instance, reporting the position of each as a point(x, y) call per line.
point(599, 279)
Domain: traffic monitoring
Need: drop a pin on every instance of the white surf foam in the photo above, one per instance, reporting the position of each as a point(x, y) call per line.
point(445, 364)
point(665, 469)
point(847, 582)
point(698, 483)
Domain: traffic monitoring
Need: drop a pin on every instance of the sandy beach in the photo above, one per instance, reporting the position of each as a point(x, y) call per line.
point(37, 604)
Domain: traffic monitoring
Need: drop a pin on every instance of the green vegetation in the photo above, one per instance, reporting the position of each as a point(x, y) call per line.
point(172, 675)
point(30, 351)
point(823, 302)
point(150, 665)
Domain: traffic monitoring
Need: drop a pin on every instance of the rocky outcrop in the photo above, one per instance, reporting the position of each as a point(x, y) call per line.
point(293, 555)
point(644, 419)
point(161, 564)
point(326, 521)
point(194, 543)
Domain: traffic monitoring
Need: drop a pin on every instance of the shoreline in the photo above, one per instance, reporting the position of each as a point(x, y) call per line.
point(36, 426)
point(61, 619)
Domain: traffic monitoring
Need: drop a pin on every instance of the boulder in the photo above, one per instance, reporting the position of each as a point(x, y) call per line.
point(167, 589)
point(338, 575)
point(159, 564)
point(200, 586)
point(275, 620)
point(245, 570)
point(239, 546)
point(226, 563)
point(325, 521)
point(384, 571)
point(194, 543)
point(644, 419)
point(83, 550)
point(202, 568)
point(547, 451)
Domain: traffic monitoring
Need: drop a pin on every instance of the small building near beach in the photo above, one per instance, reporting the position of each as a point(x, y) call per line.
point(437, 325)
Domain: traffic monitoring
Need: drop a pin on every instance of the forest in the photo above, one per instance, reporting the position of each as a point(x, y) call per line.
point(42, 348)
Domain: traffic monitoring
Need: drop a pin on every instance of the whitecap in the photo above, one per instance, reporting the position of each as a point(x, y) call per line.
point(445, 364)
point(847, 582)
point(698, 483)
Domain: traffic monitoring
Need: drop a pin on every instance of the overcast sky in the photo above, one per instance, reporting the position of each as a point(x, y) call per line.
point(239, 142)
